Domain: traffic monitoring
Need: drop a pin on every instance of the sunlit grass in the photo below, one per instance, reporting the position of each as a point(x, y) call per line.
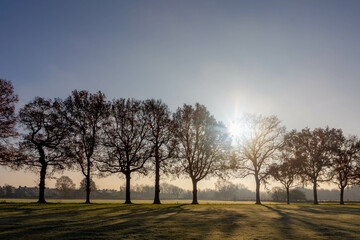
point(114, 220)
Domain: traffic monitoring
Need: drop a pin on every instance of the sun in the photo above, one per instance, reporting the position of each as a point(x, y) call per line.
point(235, 129)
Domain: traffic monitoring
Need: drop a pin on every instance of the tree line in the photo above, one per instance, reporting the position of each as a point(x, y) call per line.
point(223, 191)
point(65, 189)
point(88, 133)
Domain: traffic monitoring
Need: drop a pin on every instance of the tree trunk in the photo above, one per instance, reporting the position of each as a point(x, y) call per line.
point(342, 195)
point(42, 183)
point(287, 195)
point(127, 200)
point(157, 182)
point(88, 187)
point(257, 180)
point(195, 201)
point(315, 192)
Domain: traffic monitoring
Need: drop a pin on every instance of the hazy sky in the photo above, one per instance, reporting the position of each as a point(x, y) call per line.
point(299, 60)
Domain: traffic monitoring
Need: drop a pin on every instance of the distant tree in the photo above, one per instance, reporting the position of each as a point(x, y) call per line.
point(125, 140)
point(84, 185)
point(225, 190)
point(346, 151)
point(65, 185)
point(256, 148)
point(44, 139)
point(202, 143)
point(7, 120)
point(161, 138)
point(279, 195)
point(297, 195)
point(87, 112)
point(9, 191)
point(172, 190)
point(313, 150)
point(286, 170)
point(2, 192)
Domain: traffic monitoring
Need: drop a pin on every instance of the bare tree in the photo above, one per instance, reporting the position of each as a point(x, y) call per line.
point(87, 112)
point(7, 120)
point(346, 151)
point(125, 140)
point(65, 185)
point(43, 145)
point(286, 170)
point(262, 136)
point(313, 150)
point(202, 143)
point(161, 137)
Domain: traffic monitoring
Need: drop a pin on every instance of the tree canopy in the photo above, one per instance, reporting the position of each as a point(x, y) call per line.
point(256, 148)
point(202, 143)
point(43, 144)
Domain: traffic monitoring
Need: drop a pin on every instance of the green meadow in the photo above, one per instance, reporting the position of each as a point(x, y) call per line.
point(110, 220)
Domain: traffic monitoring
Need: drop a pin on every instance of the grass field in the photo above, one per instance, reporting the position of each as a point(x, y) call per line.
point(24, 220)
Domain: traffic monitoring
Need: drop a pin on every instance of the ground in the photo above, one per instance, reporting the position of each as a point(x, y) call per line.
point(24, 220)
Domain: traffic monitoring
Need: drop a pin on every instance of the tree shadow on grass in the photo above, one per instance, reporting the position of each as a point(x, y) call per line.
point(114, 222)
point(283, 223)
point(313, 219)
point(170, 222)
point(329, 209)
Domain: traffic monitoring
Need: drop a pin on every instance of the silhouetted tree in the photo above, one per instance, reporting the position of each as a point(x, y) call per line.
point(65, 185)
point(125, 140)
point(43, 145)
point(285, 171)
point(87, 112)
point(202, 143)
point(313, 150)
point(7, 120)
point(161, 137)
point(256, 147)
point(346, 151)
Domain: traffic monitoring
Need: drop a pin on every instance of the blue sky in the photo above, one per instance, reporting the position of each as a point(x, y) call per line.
point(299, 60)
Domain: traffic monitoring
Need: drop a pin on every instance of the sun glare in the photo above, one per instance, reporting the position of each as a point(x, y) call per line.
point(235, 129)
